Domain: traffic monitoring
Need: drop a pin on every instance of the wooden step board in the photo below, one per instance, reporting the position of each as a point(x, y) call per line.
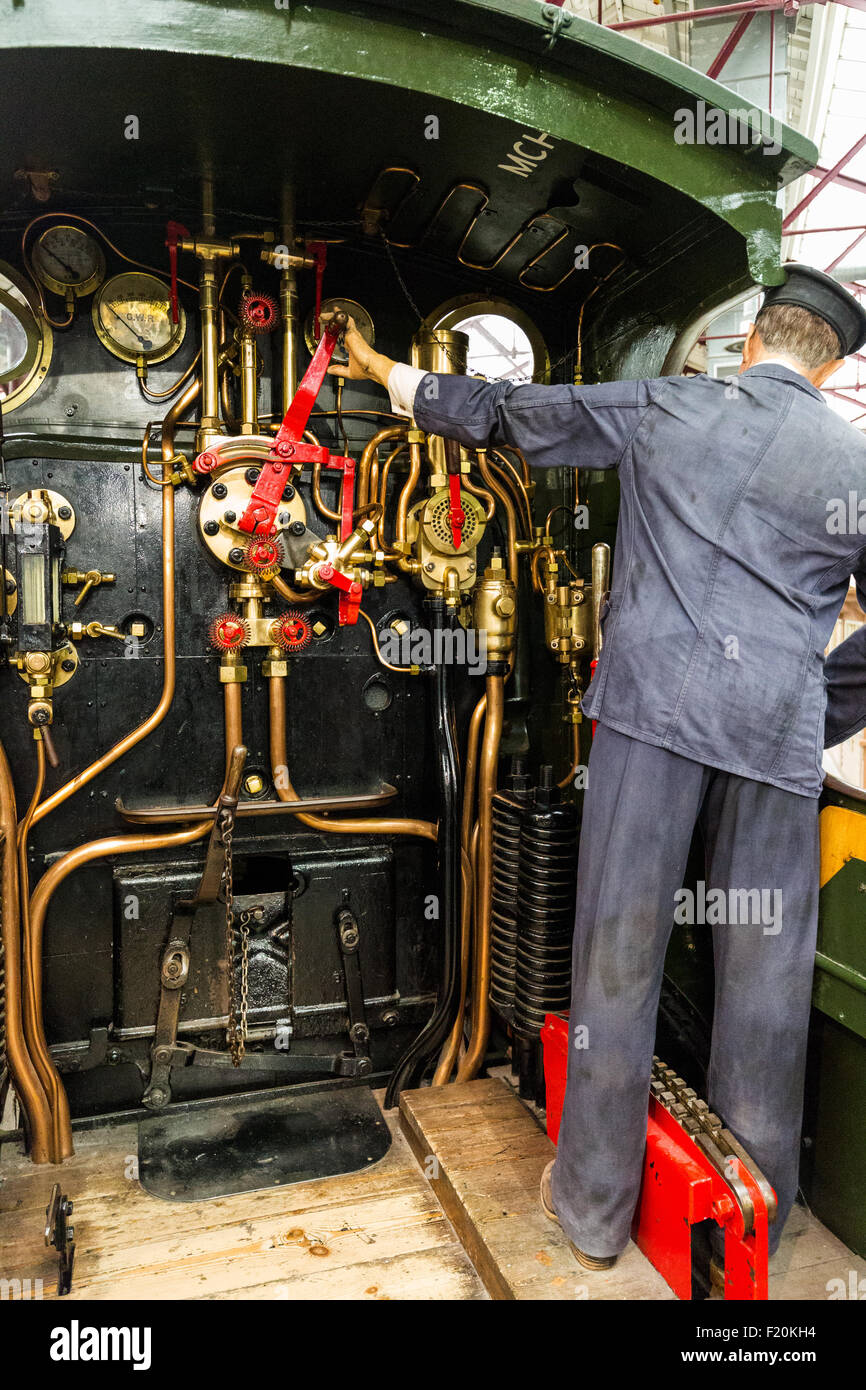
point(483, 1154)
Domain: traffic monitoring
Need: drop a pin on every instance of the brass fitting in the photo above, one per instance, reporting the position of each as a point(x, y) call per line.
point(495, 610)
point(275, 663)
point(232, 671)
point(567, 619)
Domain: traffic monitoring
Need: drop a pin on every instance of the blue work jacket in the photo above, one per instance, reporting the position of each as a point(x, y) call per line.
point(738, 534)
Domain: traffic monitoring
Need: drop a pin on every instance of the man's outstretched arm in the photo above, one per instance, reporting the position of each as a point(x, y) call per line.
point(554, 426)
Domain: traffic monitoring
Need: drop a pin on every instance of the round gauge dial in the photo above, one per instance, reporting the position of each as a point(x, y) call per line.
point(356, 311)
point(132, 318)
point(67, 260)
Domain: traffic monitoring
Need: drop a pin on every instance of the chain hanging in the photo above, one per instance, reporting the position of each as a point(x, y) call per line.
point(236, 1030)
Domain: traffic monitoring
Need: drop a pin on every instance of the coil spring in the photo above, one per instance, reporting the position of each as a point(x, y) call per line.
point(546, 886)
point(506, 815)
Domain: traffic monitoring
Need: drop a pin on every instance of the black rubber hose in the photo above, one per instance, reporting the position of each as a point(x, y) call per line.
point(438, 1026)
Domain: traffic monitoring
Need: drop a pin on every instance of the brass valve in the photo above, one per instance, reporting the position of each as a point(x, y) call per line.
point(78, 631)
point(495, 611)
point(90, 579)
point(567, 619)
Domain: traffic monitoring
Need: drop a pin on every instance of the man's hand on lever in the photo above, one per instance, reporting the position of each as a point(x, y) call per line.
point(364, 364)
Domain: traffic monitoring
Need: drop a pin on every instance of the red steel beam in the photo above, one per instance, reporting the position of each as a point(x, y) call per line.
point(730, 43)
point(843, 180)
point(714, 12)
point(830, 177)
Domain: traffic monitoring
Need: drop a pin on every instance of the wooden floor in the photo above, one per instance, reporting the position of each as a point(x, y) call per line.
point(379, 1234)
point(486, 1152)
point(472, 1153)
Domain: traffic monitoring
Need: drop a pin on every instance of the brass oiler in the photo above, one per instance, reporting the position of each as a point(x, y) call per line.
point(567, 619)
point(495, 612)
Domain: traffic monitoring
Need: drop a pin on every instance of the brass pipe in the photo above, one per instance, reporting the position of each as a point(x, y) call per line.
point(364, 825)
point(233, 717)
point(31, 1004)
point(519, 489)
point(81, 779)
point(500, 491)
point(373, 487)
point(209, 424)
point(38, 909)
point(291, 595)
point(51, 881)
point(518, 454)
point(405, 495)
point(486, 497)
point(369, 453)
point(382, 488)
point(25, 1078)
point(486, 787)
point(568, 779)
point(451, 1046)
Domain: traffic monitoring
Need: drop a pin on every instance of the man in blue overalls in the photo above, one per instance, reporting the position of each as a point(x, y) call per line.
point(734, 553)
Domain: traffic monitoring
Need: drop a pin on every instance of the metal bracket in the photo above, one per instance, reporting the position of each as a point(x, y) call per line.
point(61, 1236)
point(174, 966)
point(557, 18)
point(349, 938)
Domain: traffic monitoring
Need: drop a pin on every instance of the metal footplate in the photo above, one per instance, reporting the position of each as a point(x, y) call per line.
point(695, 1171)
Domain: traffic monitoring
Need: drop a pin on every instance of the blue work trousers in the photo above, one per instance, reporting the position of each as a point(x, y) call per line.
point(641, 808)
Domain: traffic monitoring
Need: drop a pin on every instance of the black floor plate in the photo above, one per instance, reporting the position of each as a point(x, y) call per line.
point(245, 1145)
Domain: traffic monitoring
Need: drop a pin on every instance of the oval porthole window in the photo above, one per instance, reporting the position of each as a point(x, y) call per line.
point(504, 343)
point(26, 341)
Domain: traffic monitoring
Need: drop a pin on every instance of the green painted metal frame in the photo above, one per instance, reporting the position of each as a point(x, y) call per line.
point(500, 56)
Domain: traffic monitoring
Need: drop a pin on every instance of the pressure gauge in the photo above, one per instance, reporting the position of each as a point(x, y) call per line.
point(356, 311)
point(132, 318)
point(68, 261)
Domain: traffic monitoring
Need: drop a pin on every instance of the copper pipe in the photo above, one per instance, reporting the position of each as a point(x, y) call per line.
point(373, 488)
point(382, 487)
point(31, 1004)
point(38, 909)
point(568, 779)
point(405, 494)
point(486, 787)
point(370, 452)
point(233, 717)
point(81, 779)
point(51, 881)
point(293, 595)
point(364, 825)
point(519, 489)
point(451, 1046)
point(518, 454)
point(318, 500)
point(486, 497)
point(500, 491)
point(25, 1078)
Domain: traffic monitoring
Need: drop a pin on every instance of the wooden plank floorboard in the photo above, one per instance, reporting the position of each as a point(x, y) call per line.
point(379, 1233)
point(483, 1152)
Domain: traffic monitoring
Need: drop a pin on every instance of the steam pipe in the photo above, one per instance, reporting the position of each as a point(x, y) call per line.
point(487, 786)
point(499, 490)
point(25, 1078)
point(436, 1029)
point(370, 451)
point(363, 825)
point(31, 1010)
point(180, 406)
point(452, 1045)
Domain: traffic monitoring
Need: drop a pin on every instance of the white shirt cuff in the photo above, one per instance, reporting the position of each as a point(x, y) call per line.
point(403, 382)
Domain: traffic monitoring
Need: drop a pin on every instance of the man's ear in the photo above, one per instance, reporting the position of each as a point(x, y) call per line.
point(751, 348)
point(822, 374)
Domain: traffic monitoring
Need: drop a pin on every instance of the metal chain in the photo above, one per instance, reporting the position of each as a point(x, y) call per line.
point(236, 1030)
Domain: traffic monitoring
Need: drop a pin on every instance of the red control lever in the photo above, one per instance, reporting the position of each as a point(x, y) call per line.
point(288, 448)
point(318, 249)
point(174, 232)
